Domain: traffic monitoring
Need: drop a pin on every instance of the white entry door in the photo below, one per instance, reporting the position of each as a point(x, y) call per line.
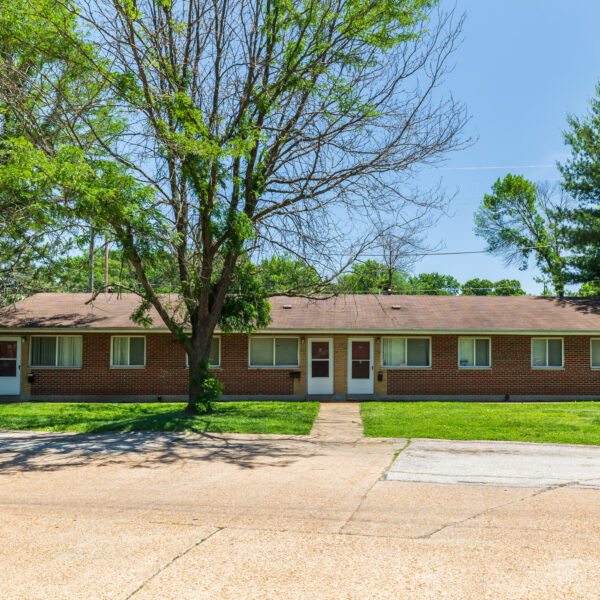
point(10, 366)
point(360, 366)
point(320, 366)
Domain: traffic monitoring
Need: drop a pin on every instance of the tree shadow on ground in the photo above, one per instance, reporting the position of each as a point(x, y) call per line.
point(45, 451)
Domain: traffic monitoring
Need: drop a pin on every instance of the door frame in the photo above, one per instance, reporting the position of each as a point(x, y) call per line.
point(370, 386)
point(322, 380)
point(12, 338)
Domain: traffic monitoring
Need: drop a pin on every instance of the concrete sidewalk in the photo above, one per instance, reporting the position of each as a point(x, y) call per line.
point(497, 463)
point(338, 422)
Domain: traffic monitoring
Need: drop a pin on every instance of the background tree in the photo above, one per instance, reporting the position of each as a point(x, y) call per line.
point(47, 98)
point(581, 179)
point(508, 287)
point(247, 126)
point(434, 284)
point(519, 219)
point(284, 275)
point(477, 287)
point(371, 277)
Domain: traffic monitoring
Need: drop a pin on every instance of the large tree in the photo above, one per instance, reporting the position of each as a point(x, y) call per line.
point(581, 179)
point(49, 95)
point(434, 284)
point(252, 125)
point(519, 219)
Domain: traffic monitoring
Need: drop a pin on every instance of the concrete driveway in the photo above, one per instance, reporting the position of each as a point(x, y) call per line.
point(497, 463)
point(263, 517)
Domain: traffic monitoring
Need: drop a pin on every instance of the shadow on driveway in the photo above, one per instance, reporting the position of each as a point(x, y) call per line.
point(47, 451)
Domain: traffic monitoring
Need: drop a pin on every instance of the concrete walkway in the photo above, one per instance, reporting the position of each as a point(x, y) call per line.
point(338, 423)
point(511, 464)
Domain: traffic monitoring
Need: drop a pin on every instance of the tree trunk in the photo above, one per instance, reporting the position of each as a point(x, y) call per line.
point(91, 262)
point(106, 263)
point(199, 398)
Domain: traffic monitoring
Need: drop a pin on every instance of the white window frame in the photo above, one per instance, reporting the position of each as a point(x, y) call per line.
point(467, 367)
point(32, 366)
point(591, 363)
point(550, 368)
point(113, 366)
point(274, 366)
point(217, 366)
point(407, 337)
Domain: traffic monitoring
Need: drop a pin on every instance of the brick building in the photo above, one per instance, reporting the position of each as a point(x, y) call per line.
point(57, 346)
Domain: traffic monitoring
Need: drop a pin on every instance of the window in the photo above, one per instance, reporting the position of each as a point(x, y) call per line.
point(128, 351)
point(546, 353)
point(406, 352)
point(56, 351)
point(273, 352)
point(214, 360)
point(474, 353)
point(595, 354)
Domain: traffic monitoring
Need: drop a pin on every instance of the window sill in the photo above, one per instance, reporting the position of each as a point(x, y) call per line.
point(278, 367)
point(407, 368)
point(474, 368)
point(55, 368)
point(121, 367)
point(547, 368)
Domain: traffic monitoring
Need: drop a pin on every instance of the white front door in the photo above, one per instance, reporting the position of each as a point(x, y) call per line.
point(10, 366)
point(360, 366)
point(320, 366)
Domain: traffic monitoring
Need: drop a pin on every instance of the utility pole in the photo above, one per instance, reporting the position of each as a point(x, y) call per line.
point(106, 263)
point(91, 262)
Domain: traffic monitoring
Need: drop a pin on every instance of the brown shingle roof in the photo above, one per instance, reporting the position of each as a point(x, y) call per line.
point(378, 313)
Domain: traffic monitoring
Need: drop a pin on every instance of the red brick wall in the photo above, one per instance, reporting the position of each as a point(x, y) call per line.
point(511, 371)
point(165, 372)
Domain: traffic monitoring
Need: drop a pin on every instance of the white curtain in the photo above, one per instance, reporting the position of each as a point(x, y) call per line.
point(120, 351)
point(538, 353)
point(466, 354)
point(68, 351)
point(394, 352)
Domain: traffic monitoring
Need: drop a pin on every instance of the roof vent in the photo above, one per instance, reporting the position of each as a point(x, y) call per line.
point(287, 306)
point(396, 307)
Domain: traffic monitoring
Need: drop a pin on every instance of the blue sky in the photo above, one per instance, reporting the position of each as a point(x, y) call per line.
point(522, 68)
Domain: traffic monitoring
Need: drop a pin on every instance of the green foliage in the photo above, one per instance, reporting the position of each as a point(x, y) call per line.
point(478, 287)
point(515, 218)
point(485, 287)
point(371, 277)
point(508, 287)
point(589, 289)
point(434, 284)
point(581, 179)
point(283, 274)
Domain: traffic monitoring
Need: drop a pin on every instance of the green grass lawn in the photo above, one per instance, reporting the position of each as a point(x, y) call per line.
point(563, 423)
point(228, 417)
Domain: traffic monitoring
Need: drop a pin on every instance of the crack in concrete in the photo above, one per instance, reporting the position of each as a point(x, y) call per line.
point(173, 560)
point(364, 496)
point(492, 508)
